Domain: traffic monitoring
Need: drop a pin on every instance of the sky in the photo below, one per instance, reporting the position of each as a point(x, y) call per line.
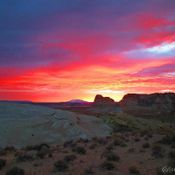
point(58, 50)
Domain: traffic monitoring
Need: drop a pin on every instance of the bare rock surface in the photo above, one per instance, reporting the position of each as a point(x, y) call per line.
point(26, 124)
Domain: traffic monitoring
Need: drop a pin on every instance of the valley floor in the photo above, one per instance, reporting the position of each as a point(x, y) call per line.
point(123, 153)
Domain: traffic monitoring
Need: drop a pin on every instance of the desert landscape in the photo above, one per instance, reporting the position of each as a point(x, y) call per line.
point(104, 137)
point(87, 87)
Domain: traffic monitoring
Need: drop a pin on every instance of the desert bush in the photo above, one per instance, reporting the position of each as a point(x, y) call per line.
point(131, 150)
point(112, 157)
point(2, 163)
point(157, 151)
point(146, 138)
point(146, 145)
point(70, 158)
point(107, 165)
point(110, 147)
point(172, 154)
point(79, 150)
point(36, 147)
point(149, 135)
point(61, 165)
point(134, 171)
point(88, 171)
point(24, 157)
point(15, 171)
point(102, 141)
point(171, 161)
point(50, 155)
point(136, 139)
point(168, 140)
point(69, 144)
point(143, 133)
point(10, 149)
point(93, 146)
point(117, 142)
point(43, 151)
point(159, 171)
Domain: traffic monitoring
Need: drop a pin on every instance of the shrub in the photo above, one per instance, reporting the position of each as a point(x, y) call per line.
point(24, 157)
point(93, 146)
point(6, 150)
point(102, 141)
point(70, 158)
point(79, 150)
point(50, 155)
point(146, 145)
point(172, 154)
point(134, 171)
point(88, 171)
point(159, 171)
point(2, 163)
point(10, 149)
point(117, 142)
point(61, 165)
point(131, 150)
point(171, 158)
point(112, 157)
point(68, 144)
point(15, 171)
point(110, 147)
point(168, 140)
point(157, 151)
point(150, 135)
point(37, 147)
point(143, 133)
point(107, 165)
point(136, 139)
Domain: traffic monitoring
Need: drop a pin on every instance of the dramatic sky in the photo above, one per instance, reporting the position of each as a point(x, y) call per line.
point(57, 50)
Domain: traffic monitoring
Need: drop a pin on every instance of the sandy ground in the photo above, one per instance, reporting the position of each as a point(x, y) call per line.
point(127, 147)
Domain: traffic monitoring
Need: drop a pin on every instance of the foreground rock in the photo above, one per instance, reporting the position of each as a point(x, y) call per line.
point(26, 124)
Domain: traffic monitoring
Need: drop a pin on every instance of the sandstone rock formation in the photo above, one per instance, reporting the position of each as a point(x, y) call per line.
point(157, 104)
point(26, 124)
point(103, 101)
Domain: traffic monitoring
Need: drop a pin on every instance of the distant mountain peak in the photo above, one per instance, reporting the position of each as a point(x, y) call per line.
point(77, 101)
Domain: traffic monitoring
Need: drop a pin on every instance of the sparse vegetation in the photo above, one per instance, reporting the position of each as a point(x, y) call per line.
point(15, 171)
point(79, 150)
point(157, 151)
point(88, 171)
point(110, 147)
point(93, 146)
point(134, 170)
point(107, 165)
point(102, 141)
point(159, 171)
point(168, 140)
point(2, 163)
point(131, 150)
point(24, 157)
point(70, 158)
point(137, 139)
point(146, 145)
point(61, 165)
point(172, 154)
point(111, 156)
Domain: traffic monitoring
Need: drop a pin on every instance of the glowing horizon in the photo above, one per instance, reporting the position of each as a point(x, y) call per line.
point(54, 51)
